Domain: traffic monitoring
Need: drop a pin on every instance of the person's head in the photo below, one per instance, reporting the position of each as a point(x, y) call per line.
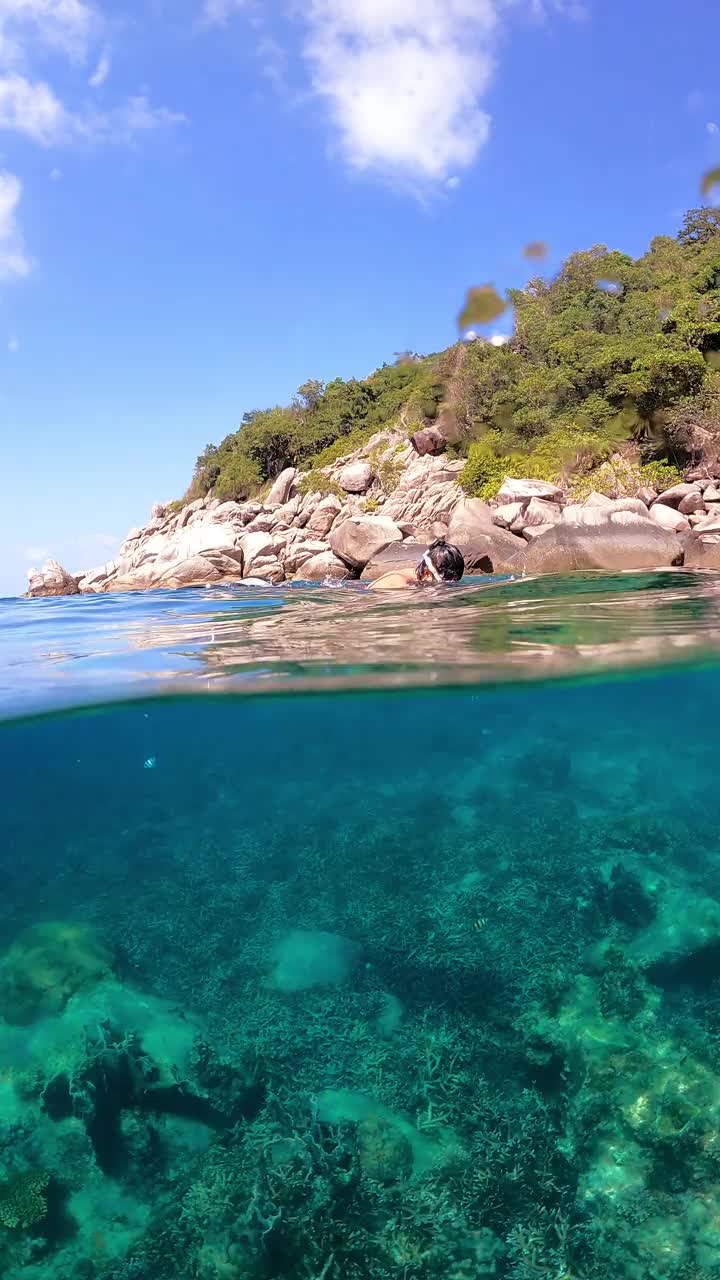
point(442, 562)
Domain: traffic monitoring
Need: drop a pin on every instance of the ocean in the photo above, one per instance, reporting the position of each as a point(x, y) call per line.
point(354, 938)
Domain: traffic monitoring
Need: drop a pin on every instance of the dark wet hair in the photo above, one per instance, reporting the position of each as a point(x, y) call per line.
point(447, 560)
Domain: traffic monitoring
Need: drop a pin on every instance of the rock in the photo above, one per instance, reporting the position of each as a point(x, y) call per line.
point(532, 531)
point(508, 513)
point(51, 580)
point(301, 551)
point(565, 548)
point(358, 539)
point(691, 504)
point(702, 555)
point(709, 523)
point(626, 518)
point(399, 556)
point(538, 511)
point(255, 546)
point(428, 441)
point(228, 511)
point(93, 580)
point(262, 523)
point(578, 515)
point(711, 493)
point(485, 547)
point(324, 516)
point(196, 571)
point(648, 496)
point(629, 504)
point(471, 516)
point(157, 510)
point(287, 513)
point(268, 568)
point(598, 500)
point(282, 487)
point(190, 510)
point(514, 490)
point(356, 478)
point(668, 518)
point(322, 566)
point(674, 496)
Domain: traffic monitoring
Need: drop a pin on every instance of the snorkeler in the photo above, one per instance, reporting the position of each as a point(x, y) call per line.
point(442, 562)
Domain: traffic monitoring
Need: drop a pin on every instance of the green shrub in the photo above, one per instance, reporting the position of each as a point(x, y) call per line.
point(317, 482)
point(239, 478)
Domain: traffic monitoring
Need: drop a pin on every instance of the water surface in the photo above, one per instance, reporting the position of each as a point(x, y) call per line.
point(416, 975)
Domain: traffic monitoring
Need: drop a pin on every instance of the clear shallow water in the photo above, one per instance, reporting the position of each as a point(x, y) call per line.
point(367, 983)
point(63, 652)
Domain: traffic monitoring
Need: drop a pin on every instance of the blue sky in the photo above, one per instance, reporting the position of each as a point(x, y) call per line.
point(205, 202)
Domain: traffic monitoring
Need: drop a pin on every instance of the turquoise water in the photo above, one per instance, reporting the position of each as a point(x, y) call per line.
point(368, 939)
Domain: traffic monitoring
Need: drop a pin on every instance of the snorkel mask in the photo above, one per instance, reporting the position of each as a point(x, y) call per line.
point(426, 563)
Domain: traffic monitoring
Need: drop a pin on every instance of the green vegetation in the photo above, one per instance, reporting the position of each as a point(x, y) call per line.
point(612, 351)
point(323, 423)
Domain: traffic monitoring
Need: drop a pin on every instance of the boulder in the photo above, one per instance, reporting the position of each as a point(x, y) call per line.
point(358, 539)
point(255, 546)
point(428, 441)
point(356, 477)
point(300, 551)
point(711, 493)
point(158, 510)
point(324, 516)
point(536, 530)
point(668, 518)
point(515, 490)
point(538, 511)
point(629, 504)
point(282, 487)
point(709, 523)
point(691, 504)
point(673, 497)
point(93, 580)
point(190, 510)
point(579, 515)
point(193, 572)
point(508, 513)
point(702, 555)
point(398, 556)
point(267, 568)
point(648, 496)
point(51, 580)
point(486, 548)
point(228, 511)
point(321, 566)
point(598, 500)
point(469, 517)
point(565, 548)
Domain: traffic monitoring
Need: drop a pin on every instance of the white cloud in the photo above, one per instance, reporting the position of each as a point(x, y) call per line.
point(13, 346)
point(55, 174)
point(453, 183)
point(63, 26)
point(31, 109)
point(14, 261)
point(34, 555)
point(404, 80)
point(499, 339)
point(712, 128)
point(102, 70)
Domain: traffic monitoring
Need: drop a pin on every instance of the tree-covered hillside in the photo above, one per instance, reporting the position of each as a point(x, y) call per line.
point(611, 351)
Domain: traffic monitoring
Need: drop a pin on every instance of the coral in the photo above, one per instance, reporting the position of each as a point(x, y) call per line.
point(45, 967)
point(23, 1200)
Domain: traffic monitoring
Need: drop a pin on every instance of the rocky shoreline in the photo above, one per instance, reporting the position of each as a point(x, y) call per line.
point(373, 509)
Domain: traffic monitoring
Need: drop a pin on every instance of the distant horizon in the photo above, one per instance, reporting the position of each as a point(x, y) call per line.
point(201, 209)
